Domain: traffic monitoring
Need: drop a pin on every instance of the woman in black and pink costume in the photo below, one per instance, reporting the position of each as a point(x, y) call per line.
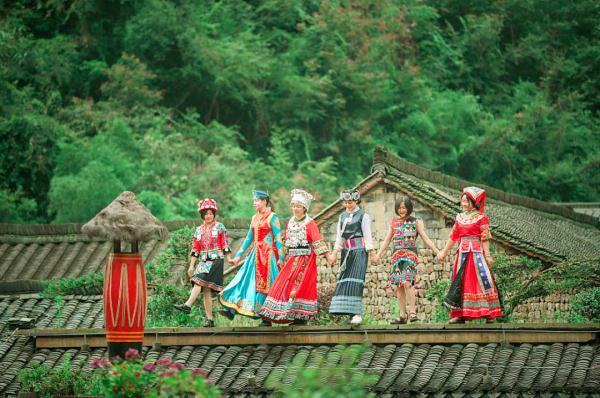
point(210, 246)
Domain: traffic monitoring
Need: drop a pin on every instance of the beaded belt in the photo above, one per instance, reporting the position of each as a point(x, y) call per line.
point(304, 251)
point(355, 243)
point(470, 239)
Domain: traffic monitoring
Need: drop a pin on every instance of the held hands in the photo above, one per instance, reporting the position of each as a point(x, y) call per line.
point(375, 259)
point(331, 257)
point(441, 256)
point(279, 264)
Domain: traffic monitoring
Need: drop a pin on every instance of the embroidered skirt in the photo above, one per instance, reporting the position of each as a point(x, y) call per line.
point(404, 268)
point(293, 295)
point(209, 274)
point(240, 295)
point(473, 292)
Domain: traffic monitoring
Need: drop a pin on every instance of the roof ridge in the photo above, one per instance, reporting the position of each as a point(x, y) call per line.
point(75, 228)
point(384, 157)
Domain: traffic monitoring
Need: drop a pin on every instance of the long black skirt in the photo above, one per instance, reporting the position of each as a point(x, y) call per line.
point(348, 294)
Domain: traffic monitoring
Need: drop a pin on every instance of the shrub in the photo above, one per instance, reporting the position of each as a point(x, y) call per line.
point(59, 381)
point(85, 285)
point(163, 378)
point(437, 293)
point(332, 376)
point(586, 304)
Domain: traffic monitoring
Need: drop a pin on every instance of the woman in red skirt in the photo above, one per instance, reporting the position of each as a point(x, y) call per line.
point(293, 296)
point(473, 292)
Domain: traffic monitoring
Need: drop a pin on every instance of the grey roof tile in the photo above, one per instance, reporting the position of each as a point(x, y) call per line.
point(235, 369)
point(39, 252)
point(458, 370)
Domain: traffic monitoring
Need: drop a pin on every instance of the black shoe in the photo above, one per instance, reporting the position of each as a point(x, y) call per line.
point(227, 314)
point(265, 323)
point(209, 323)
point(183, 308)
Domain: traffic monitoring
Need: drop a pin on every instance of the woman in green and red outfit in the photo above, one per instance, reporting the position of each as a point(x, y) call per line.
point(247, 291)
point(404, 231)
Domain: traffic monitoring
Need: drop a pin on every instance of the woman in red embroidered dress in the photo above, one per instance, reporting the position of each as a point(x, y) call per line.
point(206, 264)
point(293, 296)
point(473, 292)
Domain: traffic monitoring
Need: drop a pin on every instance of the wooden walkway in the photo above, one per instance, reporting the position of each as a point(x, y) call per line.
point(331, 335)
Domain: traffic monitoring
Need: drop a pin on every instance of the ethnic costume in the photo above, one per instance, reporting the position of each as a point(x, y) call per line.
point(210, 243)
point(247, 292)
point(354, 239)
point(293, 296)
point(473, 292)
point(404, 259)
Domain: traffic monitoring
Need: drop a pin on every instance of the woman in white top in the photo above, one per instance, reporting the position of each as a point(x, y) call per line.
point(355, 241)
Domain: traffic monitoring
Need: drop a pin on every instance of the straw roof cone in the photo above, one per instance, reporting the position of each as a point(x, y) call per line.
point(126, 218)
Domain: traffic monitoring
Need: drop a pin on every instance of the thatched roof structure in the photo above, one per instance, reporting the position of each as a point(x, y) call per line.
point(126, 218)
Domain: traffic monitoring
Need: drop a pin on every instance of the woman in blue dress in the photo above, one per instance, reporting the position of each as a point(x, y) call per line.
point(247, 292)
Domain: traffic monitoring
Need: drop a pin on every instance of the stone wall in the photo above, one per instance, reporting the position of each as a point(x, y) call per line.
point(379, 203)
point(545, 308)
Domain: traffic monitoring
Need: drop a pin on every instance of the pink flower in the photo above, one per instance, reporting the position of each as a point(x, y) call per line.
point(176, 366)
point(168, 374)
point(164, 361)
point(209, 383)
point(100, 363)
point(199, 372)
point(132, 353)
point(149, 367)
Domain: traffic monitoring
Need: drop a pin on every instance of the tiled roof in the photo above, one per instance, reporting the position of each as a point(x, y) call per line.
point(60, 256)
point(384, 159)
point(462, 370)
point(552, 233)
point(402, 368)
point(549, 236)
point(30, 253)
point(589, 208)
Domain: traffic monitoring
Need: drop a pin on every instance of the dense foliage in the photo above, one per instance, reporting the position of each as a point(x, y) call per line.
point(179, 100)
point(586, 304)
